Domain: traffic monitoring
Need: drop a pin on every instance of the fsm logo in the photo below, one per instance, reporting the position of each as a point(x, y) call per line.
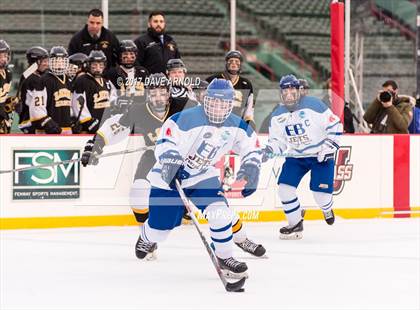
point(343, 169)
point(54, 182)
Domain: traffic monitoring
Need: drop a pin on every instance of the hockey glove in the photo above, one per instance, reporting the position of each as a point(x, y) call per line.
point(172, 168)
point(50, 126)
point(267, 153)
point(92, 148)
point(3, 114)
point(250, 173)
point(327, 152)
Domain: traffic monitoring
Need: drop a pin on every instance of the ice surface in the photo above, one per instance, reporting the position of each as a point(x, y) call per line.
point(355, 264)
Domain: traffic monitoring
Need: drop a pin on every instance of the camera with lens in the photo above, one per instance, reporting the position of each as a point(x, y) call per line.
point(385, 96)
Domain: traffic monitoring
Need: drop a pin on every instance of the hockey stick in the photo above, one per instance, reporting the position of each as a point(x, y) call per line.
point(229, 286)
point(81, 101)
point(140, 149)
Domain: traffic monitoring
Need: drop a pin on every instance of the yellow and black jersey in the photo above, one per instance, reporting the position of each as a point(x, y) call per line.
point(52, 98)
point(129, 82)
point(97, 95)
point(5, 84)
point(26, 96)
point(138, 119)
point(142, 121)
point(243, 104)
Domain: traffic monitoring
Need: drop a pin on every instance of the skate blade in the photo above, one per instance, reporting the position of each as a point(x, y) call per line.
point(292, 236)
point(231, 275)
point(151, 256)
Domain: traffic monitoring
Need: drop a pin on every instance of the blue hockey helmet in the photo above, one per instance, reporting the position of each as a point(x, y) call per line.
point(289, 91)
point(218, 102)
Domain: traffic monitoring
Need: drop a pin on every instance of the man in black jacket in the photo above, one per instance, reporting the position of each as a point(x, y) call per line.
point(94, 36)
point(155, 47)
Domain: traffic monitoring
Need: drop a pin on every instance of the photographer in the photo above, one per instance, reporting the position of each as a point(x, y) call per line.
point(389, 113)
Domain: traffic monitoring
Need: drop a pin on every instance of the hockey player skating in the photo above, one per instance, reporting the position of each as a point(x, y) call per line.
point(145, 119)
point(308, 132)
point(189, 146)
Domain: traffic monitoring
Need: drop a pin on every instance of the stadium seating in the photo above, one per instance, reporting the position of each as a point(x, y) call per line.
point(304, 27)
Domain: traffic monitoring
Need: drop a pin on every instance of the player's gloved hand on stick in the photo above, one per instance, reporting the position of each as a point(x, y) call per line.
point(172, 168)
point(250, 173)
point(267, 153)
point(93, 147)
point(50, 126)
point(327, 151)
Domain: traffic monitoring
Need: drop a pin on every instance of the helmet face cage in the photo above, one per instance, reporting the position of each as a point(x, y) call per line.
point(96, 72)
point(289, 91)
point(72, 70)
point(237, 59)
point(290, 96)
point(58, 65)
point(216, 109)
point(158, 99)
point(128, 58)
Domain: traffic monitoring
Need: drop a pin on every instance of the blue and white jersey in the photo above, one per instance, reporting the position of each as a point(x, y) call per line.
point(202, 144)
point(302, 132)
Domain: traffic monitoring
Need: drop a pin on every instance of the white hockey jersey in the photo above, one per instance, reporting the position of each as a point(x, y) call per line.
point(302, 132)
point(202, 145)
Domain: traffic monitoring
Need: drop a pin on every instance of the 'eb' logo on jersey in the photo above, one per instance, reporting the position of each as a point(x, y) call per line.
point(295, 130)
point(343, 169)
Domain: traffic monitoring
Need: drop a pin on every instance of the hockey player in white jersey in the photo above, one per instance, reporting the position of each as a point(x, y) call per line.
point(189, 146)
point(306, 131)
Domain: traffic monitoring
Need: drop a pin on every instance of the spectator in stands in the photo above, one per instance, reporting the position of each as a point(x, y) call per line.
point(156, 47)
point(389, 113)
point(94, 36)
point(415, 123)
point(243, 104)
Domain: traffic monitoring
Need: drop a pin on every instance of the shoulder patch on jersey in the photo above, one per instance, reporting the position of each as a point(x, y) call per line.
point(312, 103)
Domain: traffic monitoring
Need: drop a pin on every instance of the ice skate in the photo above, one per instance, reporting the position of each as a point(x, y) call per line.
point(292, 232)
point(145, 250)
point(329, 216)
point(232, 268)
point(251, 247)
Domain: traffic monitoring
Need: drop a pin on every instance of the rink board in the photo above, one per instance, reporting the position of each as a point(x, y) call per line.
point(70, 195)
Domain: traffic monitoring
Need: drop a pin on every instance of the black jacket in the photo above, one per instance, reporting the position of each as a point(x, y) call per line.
point(82, 42)
point(152, 54)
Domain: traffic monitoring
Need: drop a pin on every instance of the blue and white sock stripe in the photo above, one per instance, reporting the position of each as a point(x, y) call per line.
point(222, 234)
point(292, 210)
point(291, 205)
point(290, 201)
point(327, 206)
point(222, 240)
point(229, 226)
